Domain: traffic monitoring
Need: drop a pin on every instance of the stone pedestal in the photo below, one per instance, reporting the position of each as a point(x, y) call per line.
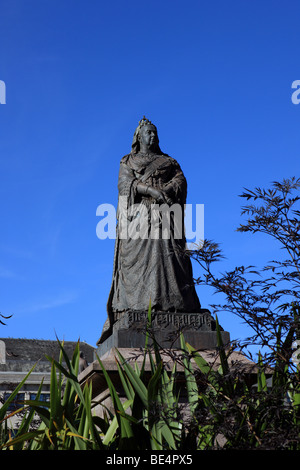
point(93, 374)
point(198, 329)
point(129, 336)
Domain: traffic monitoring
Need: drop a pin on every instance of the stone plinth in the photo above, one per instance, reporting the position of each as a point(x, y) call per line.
point(198, 329)
point(129, 337)
point(93, 374)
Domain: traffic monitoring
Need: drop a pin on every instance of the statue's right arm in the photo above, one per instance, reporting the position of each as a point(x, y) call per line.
point(126, 179)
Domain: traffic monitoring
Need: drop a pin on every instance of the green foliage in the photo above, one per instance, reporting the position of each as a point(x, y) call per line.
point(221, 410)
point(268, 300)
point(262, 297)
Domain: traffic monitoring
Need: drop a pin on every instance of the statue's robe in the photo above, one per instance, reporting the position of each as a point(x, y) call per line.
point(147, 269)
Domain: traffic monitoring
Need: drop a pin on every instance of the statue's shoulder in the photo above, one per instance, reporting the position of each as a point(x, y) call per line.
point(124, 159)
point(172, 160)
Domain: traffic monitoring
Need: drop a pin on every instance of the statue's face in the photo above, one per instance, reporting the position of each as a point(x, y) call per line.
point(148, 136)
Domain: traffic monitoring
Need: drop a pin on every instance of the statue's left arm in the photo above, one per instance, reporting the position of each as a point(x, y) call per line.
point(176, 188)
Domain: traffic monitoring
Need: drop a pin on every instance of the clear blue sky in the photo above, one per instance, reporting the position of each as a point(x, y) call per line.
point(215, 77)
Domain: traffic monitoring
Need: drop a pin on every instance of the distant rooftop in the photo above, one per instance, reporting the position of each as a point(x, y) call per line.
point(33, 350)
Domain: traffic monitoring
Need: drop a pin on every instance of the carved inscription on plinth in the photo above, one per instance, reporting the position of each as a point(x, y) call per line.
point(166, 320)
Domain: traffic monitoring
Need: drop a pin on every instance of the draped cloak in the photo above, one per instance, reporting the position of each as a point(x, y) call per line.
point(147, 269)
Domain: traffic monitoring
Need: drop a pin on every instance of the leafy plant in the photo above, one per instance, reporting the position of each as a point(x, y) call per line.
point(221, 411)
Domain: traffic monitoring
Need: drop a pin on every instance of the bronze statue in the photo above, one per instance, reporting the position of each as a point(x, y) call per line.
point(148, 268)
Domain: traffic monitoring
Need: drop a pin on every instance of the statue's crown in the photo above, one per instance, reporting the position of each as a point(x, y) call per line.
point(144, 122)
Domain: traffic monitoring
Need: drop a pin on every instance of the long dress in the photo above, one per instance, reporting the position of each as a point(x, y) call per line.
point(146, 269)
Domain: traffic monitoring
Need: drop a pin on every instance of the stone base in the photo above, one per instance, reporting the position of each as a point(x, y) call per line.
point(129, 331)
point(129, 338)
point(134, 339)
point(101, 398)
